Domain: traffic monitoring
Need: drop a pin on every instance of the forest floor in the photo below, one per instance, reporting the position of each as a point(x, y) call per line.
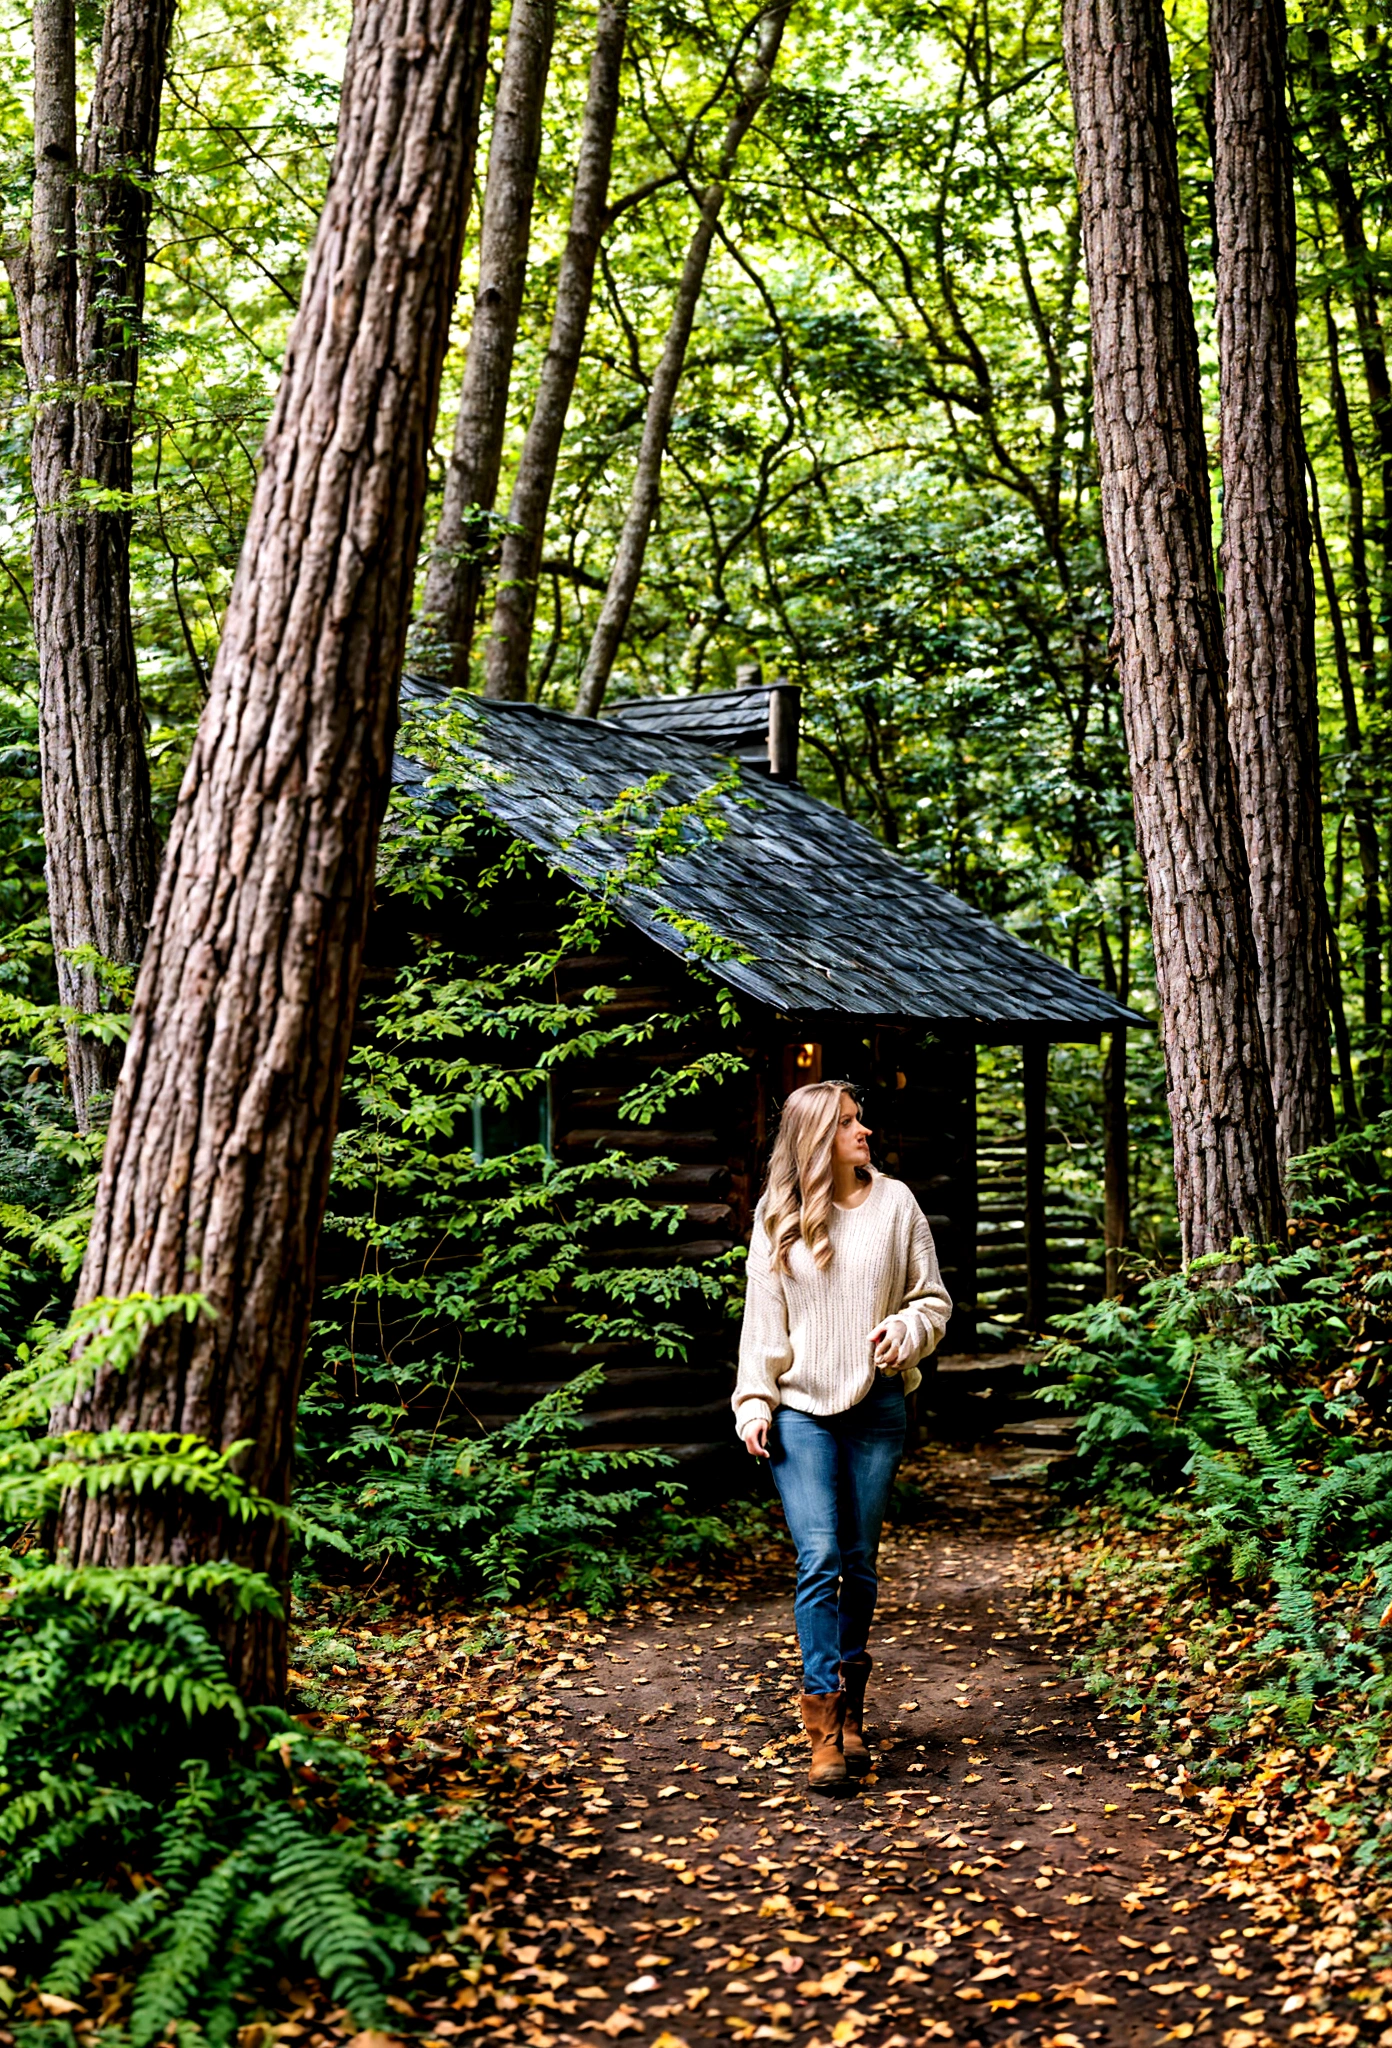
point(1016, 1870)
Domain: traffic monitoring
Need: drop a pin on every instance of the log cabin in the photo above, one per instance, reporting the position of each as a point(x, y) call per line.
point(844, 960)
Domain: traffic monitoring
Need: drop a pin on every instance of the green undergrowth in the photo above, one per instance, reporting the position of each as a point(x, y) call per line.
point(465, 1258)
point(1226, 1539)
point(1282, 1818)
point(158, 1834)
point(172, 1857)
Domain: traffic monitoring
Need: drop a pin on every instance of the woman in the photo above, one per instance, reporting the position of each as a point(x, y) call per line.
point(844, 1298)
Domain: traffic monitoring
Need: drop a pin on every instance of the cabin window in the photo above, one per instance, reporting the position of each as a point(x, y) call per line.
point(522, 1124)
point(802, 1065)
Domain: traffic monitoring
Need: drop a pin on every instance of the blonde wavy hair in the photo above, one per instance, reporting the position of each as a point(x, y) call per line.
point(798, 1191)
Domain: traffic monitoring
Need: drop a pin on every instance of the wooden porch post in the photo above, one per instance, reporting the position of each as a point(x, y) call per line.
point(1116, 1165)
point(1036, 1060)
point(969, 1208)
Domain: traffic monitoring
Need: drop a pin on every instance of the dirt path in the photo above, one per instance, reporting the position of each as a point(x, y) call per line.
point(1005, 1877)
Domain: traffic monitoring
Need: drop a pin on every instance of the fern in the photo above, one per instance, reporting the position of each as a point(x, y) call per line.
point(193, 1937)
point(1251, 1401)
point(32, 1922)
point(124, 1745)
point(312, 1882)
point(236, 1811)
point(108, 1937)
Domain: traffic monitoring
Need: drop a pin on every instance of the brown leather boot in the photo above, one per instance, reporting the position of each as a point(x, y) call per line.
point(823, 1714)
point(854, 1674)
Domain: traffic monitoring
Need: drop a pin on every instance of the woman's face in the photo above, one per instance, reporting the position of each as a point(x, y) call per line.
point(852, 1137)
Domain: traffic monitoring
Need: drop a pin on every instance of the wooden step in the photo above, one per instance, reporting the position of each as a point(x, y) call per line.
point(1056, 1434)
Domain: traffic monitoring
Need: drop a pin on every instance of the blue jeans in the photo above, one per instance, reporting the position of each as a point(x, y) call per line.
point(833, 1475)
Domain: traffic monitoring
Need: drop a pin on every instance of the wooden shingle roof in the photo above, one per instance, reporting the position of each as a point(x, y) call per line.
point(728, 721)
point(828, 919)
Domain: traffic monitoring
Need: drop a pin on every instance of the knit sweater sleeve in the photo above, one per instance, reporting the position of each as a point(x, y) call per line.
point(927, 1304)
point(766, 1350)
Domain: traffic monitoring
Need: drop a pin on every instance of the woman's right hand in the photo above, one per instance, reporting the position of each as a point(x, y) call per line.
point(756, 1441)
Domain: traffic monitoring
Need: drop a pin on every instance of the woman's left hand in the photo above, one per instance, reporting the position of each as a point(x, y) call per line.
point(888, 1342)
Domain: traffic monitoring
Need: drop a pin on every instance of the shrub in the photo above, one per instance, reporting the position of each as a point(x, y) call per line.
point(152, 1821)
point(1258, 1406)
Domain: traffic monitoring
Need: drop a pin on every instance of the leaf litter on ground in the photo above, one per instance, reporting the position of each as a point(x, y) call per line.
point(1001, 1879)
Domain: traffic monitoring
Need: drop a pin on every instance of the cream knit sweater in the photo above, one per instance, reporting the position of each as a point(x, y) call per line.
point(806, 1336)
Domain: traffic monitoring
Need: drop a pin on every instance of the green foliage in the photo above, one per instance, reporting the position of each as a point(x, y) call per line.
point(150, 1819)
point(462, 1241)
point(881, 477)
point(521, 1507)
point(1348, 1182)
point(1259, 1408)
point(47, 1168)
point(153, 1822)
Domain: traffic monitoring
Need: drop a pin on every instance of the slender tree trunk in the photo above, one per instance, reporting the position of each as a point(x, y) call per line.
point(1268, 590)
point(627, 571)
point(81, 292)
point(1327, 136)
point(1168, 631)
point(514, 606)
point(454, 578)
point(1364, 820)
point(1343, 1045)
point(1360, 577)
point(1327, 130)
point(217, 1165)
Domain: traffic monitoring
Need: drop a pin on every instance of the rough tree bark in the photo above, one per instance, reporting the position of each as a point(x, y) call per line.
point(80, 288)
point(514, 605)
point(454, 578)
point(1325, 93)
point(1167, 630)
point(217, 1165)
point(1364, 825)
point(1268, 589)
point(627, 571)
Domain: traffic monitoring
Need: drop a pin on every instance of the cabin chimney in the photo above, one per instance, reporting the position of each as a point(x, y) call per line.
point(784, 724)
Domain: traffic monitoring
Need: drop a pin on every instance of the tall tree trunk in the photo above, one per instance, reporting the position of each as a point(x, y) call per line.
point(627, 571)
point(1327, 131)
point(1364, 824)
point(1365, 637)
point(1268, 589)
point(514, 606)
point(1168, 631)
point(1327, 137)
point(81, 292)
point(217, 1165)
point(454, 578)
